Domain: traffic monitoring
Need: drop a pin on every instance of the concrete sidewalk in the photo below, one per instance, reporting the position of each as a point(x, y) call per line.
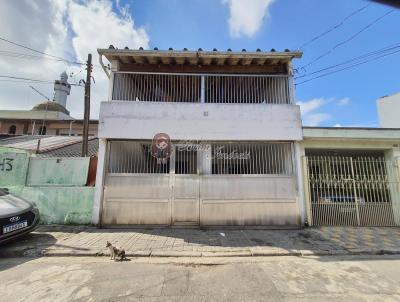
point(166, 242)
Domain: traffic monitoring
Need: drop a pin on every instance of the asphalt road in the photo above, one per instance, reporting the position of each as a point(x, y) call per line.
point(314, 279)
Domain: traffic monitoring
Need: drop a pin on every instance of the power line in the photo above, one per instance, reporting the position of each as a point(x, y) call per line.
point(348, 39)
point(348, 67)
point(334, 27)
point(26, 56)
point(41, 52)
point(19, 55)
point(366, 55)
point(21, 79)
point(25, 79)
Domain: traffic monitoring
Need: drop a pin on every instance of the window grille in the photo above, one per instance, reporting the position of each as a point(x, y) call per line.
point(156, 87)
point(185, 161)
point(134, 157)
point(252, 158)
point(228, 89)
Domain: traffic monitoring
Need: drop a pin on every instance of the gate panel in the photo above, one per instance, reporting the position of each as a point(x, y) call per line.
point(252, 184)
point(357, 191)
point(136, 200)
point(248, 200)
point(137, 188)
point(185, 197)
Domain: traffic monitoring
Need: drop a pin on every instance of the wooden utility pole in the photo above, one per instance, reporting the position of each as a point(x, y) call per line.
point(86, 116)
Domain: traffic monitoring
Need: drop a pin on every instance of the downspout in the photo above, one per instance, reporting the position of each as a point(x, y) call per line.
point(70, 127)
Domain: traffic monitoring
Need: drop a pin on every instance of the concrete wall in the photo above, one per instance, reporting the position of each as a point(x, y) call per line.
point(60, 205)
point(388, 111)
point(13, 167)
point(56, 186)
point(58, 171)
point(142, 120)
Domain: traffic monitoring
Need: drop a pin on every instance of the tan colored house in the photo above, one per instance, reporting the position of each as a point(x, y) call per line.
point(46, 118)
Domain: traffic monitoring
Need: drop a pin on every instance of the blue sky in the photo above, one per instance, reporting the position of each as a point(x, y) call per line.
point(203, 23)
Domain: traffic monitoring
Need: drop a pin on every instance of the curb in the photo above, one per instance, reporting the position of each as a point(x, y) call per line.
point(161, 254)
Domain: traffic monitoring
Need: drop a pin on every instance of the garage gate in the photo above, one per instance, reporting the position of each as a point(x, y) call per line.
point(213, 184)
point(351, 190)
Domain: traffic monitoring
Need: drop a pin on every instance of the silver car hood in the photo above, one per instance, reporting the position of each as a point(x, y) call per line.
point(10, 205)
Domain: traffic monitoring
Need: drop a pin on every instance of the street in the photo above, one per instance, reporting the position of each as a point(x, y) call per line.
point(345, 278)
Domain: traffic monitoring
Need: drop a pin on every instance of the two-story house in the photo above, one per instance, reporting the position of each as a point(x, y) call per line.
point(234, 130)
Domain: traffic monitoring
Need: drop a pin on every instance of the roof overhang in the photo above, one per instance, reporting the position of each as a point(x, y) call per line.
point(351, 133)
point(186, 57)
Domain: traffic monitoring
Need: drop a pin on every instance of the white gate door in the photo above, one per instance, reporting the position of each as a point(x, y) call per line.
point(359, 191)
point(185, 188)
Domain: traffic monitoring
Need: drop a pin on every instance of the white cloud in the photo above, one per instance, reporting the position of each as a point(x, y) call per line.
point(310, 114)
point(246, 16)
point(65, 28)
point(309, 106)
point(343, 102)
point(313, 113)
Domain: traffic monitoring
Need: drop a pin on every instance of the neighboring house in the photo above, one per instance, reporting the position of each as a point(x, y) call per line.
point(50, 146)
point(351, 176)
point(47, 118)
point(389, 111)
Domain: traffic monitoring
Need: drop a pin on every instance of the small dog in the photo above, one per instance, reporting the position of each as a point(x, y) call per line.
point(116, 252)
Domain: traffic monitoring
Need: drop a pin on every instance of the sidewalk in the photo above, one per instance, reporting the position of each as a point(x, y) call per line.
point(89, 241)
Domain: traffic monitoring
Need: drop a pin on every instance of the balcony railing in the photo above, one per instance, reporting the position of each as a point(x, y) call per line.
point(202, 88)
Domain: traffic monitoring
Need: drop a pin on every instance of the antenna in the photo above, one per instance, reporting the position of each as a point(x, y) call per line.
point(43, 95)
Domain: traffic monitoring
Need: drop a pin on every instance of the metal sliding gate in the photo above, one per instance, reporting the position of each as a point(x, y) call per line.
point(240, 183)
point(358, 191)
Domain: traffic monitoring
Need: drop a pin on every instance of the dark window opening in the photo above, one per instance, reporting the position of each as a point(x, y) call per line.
point(12, 129)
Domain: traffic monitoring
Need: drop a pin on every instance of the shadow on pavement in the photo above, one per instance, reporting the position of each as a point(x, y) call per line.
point(24, 249)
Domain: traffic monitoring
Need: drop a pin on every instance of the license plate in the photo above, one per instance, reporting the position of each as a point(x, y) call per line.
point(16, 226)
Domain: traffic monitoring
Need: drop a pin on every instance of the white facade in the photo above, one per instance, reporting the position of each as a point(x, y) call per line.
point(389, 111)
point(253, 113)
point(194, 121)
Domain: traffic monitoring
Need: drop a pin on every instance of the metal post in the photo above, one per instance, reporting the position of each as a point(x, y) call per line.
point(203, 90)
point(355, 191)
point(307, 194)
point(85, 134)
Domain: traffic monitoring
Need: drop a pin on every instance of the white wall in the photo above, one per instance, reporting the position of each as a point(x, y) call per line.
point(389, 111)
point(142, 120)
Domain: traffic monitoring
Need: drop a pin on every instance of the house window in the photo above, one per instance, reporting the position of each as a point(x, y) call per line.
point(12, 129)
point(42, 130)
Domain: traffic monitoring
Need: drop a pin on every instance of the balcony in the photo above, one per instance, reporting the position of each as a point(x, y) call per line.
point(201, 107)
point(202, 88)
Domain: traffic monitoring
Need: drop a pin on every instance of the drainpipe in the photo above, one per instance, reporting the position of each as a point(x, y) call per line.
point(70, 127)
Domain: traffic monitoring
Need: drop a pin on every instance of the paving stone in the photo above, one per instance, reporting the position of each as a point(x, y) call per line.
point(67, 240)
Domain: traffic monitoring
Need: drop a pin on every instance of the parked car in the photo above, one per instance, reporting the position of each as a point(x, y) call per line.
point(17, 216)
point(341, 199)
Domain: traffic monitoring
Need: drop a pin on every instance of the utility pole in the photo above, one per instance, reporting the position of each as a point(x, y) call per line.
point(86, 117)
